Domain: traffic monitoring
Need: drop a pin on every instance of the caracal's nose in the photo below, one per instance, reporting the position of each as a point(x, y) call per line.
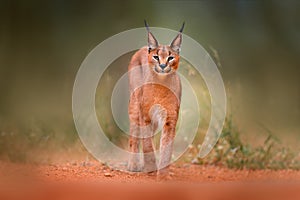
point(162, 66)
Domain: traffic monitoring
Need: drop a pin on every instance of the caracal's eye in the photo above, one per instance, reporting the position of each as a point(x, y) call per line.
point(156, 57)
point(170, 58)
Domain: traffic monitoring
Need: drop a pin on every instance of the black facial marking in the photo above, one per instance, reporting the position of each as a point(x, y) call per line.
point(157, 54)
point(156, 57)
point(170, 58)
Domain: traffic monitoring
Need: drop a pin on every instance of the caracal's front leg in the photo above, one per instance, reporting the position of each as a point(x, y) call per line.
point(166, 148)
point(149, 148)
point(134, 163)
point(149, 155)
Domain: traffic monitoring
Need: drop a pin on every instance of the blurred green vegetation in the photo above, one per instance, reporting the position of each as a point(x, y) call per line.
point(232, 152)
point(256, 45)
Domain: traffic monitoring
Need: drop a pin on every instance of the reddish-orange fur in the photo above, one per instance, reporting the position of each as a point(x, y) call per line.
point(156, 101)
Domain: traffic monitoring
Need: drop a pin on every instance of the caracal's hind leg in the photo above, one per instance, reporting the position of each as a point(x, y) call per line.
point(134, 163)
point(149, 148)
point(149, 155)
point(166, 148)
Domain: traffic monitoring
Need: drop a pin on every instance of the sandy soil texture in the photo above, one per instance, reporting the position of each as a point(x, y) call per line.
point(93, 180)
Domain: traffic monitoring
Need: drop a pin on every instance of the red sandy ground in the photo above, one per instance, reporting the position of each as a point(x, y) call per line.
point(188, 182)
point(182, 172)
point(93, 171)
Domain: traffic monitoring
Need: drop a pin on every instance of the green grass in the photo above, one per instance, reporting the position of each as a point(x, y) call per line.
point(230, 151)
point(35, 140)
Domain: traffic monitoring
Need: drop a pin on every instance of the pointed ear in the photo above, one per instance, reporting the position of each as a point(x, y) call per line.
point(176, 43)
point(152, 42)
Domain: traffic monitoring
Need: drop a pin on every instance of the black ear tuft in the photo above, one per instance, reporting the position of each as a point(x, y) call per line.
point(182, 27)
point(146, 25)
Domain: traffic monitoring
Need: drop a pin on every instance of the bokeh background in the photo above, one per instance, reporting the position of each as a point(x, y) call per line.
point(256, 45)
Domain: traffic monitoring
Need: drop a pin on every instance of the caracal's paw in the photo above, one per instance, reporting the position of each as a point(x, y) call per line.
point(150, 167)
point(149, 163)
point(134, 167)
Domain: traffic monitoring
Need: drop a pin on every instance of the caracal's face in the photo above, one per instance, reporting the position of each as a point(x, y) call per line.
point(163, 60)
